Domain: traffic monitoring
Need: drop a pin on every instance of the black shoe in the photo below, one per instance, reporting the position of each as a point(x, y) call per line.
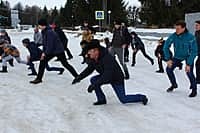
point(32, 74)
point(133, 64)
point(11, 62)
point(198, 81)
point(170, 89)
point(126, 77)
point(61, 71)
point(4, 69)
point(152, 62)
point(100, 102)
point(180, 66)
point(36, 81)
point(193, 93)
point(145, 100)
point(160, 71)
point(29, 68)
point(70, 58)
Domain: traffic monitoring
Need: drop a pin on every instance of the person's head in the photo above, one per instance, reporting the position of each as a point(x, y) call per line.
point(42, 23)
point(117, 24)
point(93, 51)
point(161, 41)
point(133, 34)
point(180, 27)
point(106, 40)
point(2, 32)
point(85, 23)
point(53, 25)
point(25, 42)
point(197, 25)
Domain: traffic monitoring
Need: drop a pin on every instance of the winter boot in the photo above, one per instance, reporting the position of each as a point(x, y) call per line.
point(32, 74)
point(100, 102)
point(160, 71)
point(126, 75)
point(152, 62)
point(145, 100)
point(171, 88)
point(193, 93)
point(61, 71)
point(36, 81)
point(4, 69)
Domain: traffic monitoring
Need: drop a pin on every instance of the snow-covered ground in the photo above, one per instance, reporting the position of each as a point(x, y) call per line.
point(57, 106)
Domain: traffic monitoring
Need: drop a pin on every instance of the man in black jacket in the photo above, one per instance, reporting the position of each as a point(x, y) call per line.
point(197, 35)
point(63, 39)
point(35, 54)
point(118, 45)
point(109, 73)
point(52, 46)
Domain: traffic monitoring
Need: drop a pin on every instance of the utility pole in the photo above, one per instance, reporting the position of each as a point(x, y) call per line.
point(104, 6)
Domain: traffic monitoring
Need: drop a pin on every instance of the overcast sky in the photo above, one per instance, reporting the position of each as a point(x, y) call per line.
point(53, 3)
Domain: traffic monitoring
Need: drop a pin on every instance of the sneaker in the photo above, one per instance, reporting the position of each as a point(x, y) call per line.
point(61, 71)
point(145, 100)
point(171, 88)
point(193, 93)
point(36, 81)
point(100, 102)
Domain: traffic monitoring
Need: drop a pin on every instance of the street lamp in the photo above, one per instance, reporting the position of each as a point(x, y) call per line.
point(72, 22)
point(109, 12)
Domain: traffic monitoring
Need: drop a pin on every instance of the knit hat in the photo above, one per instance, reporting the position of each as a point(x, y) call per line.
point(198, 21)
point(26, 41)
point(42, 22)
point(117, 22)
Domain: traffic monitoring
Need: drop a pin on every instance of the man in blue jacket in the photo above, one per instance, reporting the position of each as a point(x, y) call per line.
point(109, 73)
point(185, 48)
point(52, 46)
point(35, 54)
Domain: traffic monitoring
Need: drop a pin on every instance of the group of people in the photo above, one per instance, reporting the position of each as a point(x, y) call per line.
point(103, 60)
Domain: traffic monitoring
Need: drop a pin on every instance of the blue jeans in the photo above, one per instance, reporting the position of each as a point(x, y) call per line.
point(120, 92)
point(171, 76)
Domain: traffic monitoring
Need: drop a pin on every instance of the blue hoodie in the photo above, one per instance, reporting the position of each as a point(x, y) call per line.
point(185, 47)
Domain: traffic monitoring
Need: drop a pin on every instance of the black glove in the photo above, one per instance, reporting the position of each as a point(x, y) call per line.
point(76, 80)
point(91, 88)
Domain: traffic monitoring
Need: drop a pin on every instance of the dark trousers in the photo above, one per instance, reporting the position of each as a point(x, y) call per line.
point(120, 92)
point(198, 69)
point(30, 63)
point(160, 64)
point(68, 52)
point(62, 58)
point(171, 76)
point(143, 52)
point(126, 52)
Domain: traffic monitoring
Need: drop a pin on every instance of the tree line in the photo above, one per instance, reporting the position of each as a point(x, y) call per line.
point(162, 13)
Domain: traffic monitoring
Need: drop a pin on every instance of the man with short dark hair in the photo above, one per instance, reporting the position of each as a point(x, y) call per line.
point(109, 73)
point(52, 46)
point(197, 35)
point(118, 45)
point(185, 48)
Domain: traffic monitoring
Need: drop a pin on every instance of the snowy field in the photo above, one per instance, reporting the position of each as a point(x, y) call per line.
point(57, 106)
